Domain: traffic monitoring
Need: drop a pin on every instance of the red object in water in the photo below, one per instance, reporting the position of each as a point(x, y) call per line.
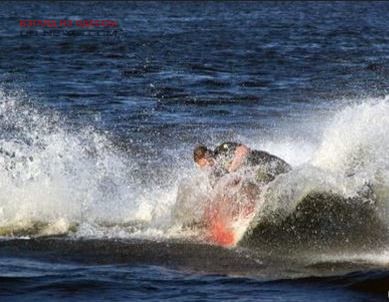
point(219, 215)
point(218, 230)
point(220, 234)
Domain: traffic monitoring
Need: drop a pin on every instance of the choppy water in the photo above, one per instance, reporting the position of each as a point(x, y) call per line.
point(96, 135)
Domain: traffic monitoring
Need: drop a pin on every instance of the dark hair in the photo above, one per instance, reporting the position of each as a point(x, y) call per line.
point(226, 149)
point(200, 152)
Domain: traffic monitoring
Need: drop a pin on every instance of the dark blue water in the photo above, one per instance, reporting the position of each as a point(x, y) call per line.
point(176, 74)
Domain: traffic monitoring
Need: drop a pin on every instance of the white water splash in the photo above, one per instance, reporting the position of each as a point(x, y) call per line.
point(61, 177)
point(50, 172)
point(352, 157)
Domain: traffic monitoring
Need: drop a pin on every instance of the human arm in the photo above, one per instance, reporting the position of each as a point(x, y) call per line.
point(240, 155)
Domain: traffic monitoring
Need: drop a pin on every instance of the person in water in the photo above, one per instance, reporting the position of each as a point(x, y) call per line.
point(234, 197)
point(231, 156)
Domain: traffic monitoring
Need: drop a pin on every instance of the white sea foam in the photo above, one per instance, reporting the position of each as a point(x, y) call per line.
point(380, 258)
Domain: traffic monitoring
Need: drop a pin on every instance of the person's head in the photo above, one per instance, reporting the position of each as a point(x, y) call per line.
point(224, 154)
point(203, 157)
